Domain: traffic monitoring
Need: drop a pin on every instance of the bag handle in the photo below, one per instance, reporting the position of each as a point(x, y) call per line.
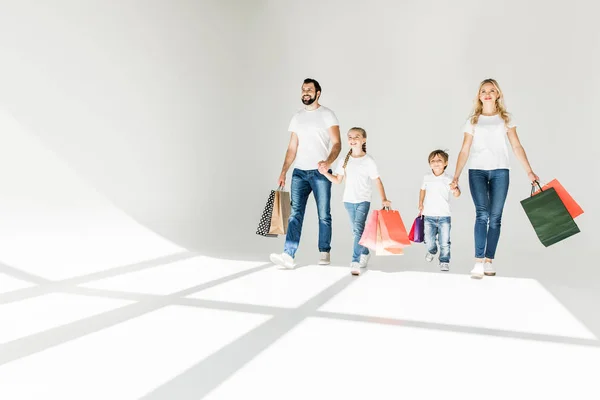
point(533, 188)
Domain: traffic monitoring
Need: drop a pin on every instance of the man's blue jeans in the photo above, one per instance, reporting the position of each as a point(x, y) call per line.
point(303, 183)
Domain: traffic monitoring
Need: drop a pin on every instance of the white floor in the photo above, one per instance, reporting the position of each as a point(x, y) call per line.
point(191, 327)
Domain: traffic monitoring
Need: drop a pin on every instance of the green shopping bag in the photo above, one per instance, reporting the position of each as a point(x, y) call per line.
point(549, 216)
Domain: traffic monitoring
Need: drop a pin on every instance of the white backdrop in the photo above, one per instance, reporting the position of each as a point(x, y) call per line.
point(176, 114)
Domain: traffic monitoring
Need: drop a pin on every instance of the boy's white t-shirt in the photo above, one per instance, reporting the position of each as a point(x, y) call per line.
point(359, 173)
point(489, 150)
point(313, 137)
point(437, 196)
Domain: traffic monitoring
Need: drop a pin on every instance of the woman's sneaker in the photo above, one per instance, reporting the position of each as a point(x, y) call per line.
point(445, 267)
point(282, 260)
point(429, 257)
point(477, 271)
point(488, 269)
point(355, 268)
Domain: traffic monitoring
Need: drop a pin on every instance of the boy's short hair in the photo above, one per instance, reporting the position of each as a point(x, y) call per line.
point(441, 153)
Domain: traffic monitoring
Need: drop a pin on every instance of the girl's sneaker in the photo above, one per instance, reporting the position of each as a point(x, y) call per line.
point(355, 268)
point(364, 260)
point(429, 257)
point(445, 267)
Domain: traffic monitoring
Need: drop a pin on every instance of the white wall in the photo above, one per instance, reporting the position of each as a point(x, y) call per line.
point(138, 99)
point(177, 111)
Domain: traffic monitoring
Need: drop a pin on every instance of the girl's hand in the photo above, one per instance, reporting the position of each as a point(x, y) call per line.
point(533, 177)
point(386, 203)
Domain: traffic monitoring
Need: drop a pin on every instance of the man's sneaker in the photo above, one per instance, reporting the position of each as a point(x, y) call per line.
point(444, 267)
point(325, 259)
point(355, 268)
point(283, 260)
point(429, 257)
point(488, 269)
point(477, 271)
point(364, 260)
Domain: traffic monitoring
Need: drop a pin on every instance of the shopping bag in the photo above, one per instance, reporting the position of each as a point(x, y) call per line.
point(264, 225)
point(393, 231)
point(549, 216)
point(369, 236)
point(574, 209)
point(378, 238)
point(380, 248)
point(417, 231)
point(281, 213)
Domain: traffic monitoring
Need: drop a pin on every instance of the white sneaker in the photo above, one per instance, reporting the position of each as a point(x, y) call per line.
point(283, 260)
point(477, 271)
point(325, 258)
point(364, 260)
point(445, 267)
point(355, 268)
point(488, 269)
point(429, 257)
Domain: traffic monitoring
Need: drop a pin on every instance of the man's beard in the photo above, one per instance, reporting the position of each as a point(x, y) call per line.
point(308, 102)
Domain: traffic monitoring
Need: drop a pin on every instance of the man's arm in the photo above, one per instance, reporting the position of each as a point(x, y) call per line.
point(334, 135)
point(290, 156)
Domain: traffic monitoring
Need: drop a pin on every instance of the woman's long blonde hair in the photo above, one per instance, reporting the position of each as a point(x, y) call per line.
point(478, 105)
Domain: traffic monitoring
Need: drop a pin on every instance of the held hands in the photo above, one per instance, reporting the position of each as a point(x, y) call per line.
point(454, 184)
point(323, 167)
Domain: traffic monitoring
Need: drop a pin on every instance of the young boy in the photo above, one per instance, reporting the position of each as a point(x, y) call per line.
point(434, 205)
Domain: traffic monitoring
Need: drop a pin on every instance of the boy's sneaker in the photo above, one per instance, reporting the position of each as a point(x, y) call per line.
point(364, 260)
point(429, 257)
point(444, 267)
point(325, 258)
point(488, 269)
point(283, 260)
point(477, 271)
point(355, 268)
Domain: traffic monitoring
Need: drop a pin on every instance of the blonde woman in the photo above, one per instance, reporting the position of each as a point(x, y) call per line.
point(484, 145)
point(360, 169)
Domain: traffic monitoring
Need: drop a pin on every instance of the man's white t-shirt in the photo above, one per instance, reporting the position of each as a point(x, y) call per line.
point(359, 173)
point(313, 137)
point(437, 196)
point(489, 150)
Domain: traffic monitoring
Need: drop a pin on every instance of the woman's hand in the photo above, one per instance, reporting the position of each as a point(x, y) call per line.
point(386, 203)
point(533, 177)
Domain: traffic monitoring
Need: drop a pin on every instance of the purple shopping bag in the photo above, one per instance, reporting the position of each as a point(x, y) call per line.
point(417, 231)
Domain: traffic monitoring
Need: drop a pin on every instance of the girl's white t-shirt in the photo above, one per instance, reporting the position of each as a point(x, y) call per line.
point(489, 150)
point(359, 173)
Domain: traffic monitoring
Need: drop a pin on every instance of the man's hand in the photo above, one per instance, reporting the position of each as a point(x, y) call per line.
point(281, 181)
point(323, 165)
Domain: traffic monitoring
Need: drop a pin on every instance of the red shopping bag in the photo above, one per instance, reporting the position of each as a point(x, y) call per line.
point(369, 236)
point(383, 234)
point(574, 209)
point(393, 231)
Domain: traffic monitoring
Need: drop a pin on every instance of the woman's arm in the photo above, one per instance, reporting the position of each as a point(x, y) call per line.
point(519, 151)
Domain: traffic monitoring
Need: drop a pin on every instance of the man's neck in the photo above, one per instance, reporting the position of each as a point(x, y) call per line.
point(312, 106)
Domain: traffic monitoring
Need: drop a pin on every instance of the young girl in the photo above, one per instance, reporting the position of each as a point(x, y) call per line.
point(359, 168)
point(434, 205)
point(484, 140)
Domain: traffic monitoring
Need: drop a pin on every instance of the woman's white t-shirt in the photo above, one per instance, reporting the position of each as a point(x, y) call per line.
point(489, 150)
point(359, 173)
